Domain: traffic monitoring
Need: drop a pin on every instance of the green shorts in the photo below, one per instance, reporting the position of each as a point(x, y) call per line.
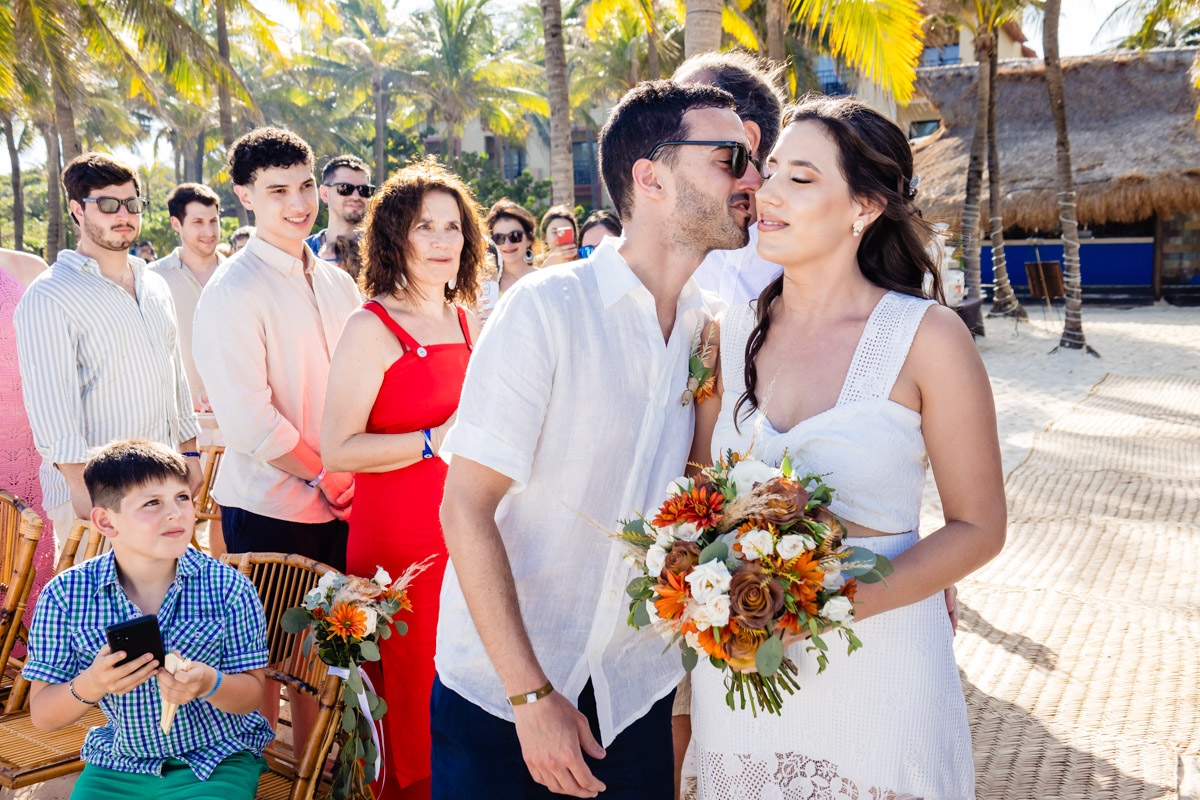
point(235, 778)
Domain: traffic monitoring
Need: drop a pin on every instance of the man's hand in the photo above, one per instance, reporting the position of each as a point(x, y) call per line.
point(104, 677)
point(551, 732)
point(338, 488)
point(187, 684)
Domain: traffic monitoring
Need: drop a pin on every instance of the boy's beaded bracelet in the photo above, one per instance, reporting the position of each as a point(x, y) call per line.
point(190, 455)
point(71, 689)
point(220, 677)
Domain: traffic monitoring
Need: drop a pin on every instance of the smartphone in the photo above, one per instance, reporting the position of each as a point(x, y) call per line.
point(566, 236)
point(137, 637)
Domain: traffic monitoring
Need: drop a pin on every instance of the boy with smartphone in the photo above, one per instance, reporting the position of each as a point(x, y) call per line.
point(207, 613)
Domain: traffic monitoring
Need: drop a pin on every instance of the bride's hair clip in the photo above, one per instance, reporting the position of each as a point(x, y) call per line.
point(911, 190)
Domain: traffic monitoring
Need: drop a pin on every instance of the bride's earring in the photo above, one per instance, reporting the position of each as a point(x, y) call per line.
point(528, 255)
point(450, 284)
point(858, 227)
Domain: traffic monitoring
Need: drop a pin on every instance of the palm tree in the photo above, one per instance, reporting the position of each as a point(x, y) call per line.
point(459, 74)
point(1072, 335)
point(562, 162)
point(643, 9)
point(1004, 300)
point(14, 161)
point(881, 39)
point(54, 211)
point(608, 57)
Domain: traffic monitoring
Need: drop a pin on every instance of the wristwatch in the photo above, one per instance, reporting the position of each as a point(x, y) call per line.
point(531, 697)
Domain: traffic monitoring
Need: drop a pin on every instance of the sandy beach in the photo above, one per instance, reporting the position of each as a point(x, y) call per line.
point(1032, 387)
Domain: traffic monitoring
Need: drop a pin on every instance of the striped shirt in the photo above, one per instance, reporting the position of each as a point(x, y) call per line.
point(97, 365)
point(211, 614)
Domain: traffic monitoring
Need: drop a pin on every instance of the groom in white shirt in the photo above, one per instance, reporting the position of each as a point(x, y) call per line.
point(571, 419)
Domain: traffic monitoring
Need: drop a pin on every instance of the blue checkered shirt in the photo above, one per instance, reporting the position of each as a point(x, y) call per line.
point(211, 614)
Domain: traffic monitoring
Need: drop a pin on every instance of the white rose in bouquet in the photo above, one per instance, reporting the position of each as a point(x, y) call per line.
point(677, 486)
point(709, 580)
point(833, 581)
point(693, 640)
point(757, 543)
point(382, 577)
point(794, 544)
point(687, 531)
point(746, 474)
point(327, 581)
point(839, 609)
point(716, 611)
point(372, 621)
point(664, 537)
point(656, 557)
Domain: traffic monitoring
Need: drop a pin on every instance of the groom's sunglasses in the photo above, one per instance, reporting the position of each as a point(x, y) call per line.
point(346, 189)
point(739, 159)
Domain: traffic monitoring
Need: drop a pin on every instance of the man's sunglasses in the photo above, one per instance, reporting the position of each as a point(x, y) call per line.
point(737, 164)
point(347, 189)
point(513, 237)
point(110, 205)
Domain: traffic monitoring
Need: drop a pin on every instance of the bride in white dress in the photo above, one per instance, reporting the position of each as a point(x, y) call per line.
point(861, 380)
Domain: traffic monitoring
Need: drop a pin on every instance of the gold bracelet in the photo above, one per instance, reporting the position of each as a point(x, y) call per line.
point(531, 697)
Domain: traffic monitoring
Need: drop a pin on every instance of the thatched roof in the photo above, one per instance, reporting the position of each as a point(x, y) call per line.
point(1134, 143)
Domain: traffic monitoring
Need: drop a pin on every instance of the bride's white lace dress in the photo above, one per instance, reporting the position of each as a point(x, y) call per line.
point(889, 721)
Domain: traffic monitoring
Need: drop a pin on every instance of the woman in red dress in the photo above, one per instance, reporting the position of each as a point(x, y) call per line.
point(394, 383)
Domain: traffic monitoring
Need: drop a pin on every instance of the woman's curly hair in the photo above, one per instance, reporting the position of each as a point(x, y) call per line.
point(395, 208)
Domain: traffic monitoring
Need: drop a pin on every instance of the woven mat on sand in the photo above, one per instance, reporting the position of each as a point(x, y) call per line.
point(1079, 647)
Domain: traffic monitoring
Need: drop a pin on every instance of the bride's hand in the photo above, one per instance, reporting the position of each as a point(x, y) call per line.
point(951, 594)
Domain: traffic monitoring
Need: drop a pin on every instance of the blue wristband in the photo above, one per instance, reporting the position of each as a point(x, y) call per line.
point(220, 677)
point(427, 452)
point(190, 455)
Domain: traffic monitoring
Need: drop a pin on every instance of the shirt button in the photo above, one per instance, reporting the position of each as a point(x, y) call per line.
point(612, 596)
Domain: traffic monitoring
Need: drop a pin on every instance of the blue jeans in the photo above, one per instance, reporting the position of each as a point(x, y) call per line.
point(477, 756)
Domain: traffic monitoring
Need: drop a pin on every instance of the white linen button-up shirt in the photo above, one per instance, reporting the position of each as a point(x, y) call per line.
point(573, 394)
point(738, 276)
point(262, 340)
point(98, 365)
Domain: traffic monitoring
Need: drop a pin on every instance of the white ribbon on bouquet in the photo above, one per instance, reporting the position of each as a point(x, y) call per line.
point(365, 709)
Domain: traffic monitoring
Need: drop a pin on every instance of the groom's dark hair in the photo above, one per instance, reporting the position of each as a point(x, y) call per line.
point(648, 115)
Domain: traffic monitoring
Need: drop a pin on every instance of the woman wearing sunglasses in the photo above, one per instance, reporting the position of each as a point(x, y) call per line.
point(512, 229)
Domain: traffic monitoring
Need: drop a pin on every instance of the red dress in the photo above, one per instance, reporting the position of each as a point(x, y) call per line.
point(394, 523)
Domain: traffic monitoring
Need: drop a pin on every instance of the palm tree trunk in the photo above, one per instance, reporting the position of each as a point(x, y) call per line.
point(775, 46)
point(970, 217)
point(64, 119)
point(178, 157)
point(200, 153)
point(54, 210)
point(702, 27)
point(14, 160)
point(224, 100)
point(380, 128)
point(1072, 335)
point(653, 72)
point(562, 170)
point(1004, 302)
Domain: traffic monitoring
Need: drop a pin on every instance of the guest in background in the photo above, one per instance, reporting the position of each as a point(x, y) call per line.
point(346, 255)
point(98, 343)
point(225, 249)
point(195, 213)
point(146, 252)
point(345, 187)
point(393, 391)
point(555, 224)
point(512, 229)
point(239, 238)
point(19, 459)
point(599, 223)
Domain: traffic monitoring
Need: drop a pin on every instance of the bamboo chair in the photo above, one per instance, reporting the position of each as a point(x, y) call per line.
point(206, 507)
point(282, 581)
point(20, 530)
point(29, 756)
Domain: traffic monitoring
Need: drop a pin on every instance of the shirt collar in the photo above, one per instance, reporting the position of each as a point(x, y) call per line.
point(273, 256)
point(615, 279)
point(186, 566)
point(81, 263)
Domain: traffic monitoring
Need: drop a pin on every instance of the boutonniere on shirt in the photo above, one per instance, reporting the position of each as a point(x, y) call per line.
point(702, 368)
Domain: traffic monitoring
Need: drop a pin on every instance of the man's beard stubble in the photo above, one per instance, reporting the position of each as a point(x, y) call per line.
point(353, 215)
point(105, 238)
point(705, 223)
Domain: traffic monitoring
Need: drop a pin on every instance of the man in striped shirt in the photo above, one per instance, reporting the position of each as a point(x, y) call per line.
point(98, 343)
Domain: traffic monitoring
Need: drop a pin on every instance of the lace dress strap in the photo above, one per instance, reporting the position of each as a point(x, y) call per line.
point(884, 347)
point(736, 324)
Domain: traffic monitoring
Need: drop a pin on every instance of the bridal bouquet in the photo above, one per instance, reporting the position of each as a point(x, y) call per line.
point(737, 558)
point(344, 617)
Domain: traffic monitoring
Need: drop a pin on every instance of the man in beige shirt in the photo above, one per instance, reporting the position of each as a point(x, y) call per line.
point(265, 328)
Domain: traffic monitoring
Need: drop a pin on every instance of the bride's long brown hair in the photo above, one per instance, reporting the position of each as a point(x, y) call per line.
point(876, 160)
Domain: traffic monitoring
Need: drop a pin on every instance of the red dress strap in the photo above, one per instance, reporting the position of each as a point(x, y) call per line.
point(378, 310)
point(466, 329)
